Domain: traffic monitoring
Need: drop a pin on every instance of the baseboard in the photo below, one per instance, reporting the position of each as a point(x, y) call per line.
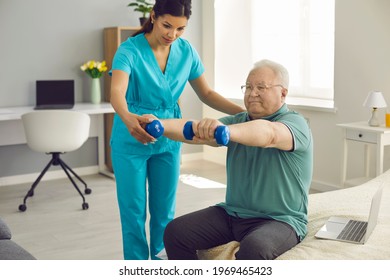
point(50, 175)
point(191, 157)
point(216, 155)
point(60, 174)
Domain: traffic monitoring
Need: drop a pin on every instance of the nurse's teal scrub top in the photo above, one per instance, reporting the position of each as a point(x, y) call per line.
point(150, 91)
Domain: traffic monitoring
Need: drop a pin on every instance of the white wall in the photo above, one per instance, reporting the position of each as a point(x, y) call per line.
point(362, 64)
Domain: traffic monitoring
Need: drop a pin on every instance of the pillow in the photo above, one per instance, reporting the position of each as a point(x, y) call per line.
point(9, 250)
point(5, 232)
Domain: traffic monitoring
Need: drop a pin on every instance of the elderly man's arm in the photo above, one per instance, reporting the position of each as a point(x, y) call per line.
point(262, 133)
point(173, 129)
point(258, 133)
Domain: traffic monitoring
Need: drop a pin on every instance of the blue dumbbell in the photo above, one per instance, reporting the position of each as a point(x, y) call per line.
point(155, 128)
point(221, 134)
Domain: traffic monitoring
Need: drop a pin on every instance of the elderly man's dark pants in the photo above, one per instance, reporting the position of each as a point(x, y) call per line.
point(210, 227)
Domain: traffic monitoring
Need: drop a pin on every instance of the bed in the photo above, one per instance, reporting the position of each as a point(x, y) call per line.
point(353, 202)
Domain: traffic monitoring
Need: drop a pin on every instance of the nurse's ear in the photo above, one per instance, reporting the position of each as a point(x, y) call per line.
point(152, 17)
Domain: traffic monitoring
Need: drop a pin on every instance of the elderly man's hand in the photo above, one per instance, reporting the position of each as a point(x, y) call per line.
point(205, 129)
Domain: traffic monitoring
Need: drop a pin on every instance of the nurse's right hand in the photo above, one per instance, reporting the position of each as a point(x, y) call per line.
point(135, 124)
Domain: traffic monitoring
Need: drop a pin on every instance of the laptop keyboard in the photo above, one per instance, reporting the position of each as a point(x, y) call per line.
point(353, 231)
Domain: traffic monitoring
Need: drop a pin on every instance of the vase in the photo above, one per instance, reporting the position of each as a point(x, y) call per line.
point(142, 20)
point(95, 91)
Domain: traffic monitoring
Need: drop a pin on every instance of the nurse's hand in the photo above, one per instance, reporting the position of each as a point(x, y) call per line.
point(150, 117)
point(135, 124)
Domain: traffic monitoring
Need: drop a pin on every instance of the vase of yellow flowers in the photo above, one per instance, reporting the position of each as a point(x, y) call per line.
point(95, 70)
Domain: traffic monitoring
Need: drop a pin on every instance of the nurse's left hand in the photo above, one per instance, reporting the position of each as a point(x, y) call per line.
point(136, 126)
point(150, 117)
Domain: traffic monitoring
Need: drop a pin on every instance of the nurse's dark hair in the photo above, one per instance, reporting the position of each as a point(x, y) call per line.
point(176, 8)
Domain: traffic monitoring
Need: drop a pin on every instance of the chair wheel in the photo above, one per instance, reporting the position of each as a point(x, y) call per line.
point(22, 207)
point(87, 191)
point(85, 206)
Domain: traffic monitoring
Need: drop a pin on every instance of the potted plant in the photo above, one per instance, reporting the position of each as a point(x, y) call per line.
point(143, 7)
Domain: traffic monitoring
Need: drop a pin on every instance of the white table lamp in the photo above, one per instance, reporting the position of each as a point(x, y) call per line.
point(374, 100)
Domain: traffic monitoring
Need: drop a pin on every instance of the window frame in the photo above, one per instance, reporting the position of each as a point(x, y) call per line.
point(210, 51)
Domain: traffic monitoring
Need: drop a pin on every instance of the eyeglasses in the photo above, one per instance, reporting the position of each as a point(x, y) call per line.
point(261, 88)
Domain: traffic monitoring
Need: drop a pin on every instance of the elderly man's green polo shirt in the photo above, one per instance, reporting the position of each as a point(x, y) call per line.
point(268, 182)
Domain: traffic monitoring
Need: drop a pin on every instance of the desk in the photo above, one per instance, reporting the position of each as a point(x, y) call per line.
point(362, 132)
point(12, 132)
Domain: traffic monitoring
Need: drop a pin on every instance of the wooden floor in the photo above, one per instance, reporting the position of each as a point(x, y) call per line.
point(54, 226)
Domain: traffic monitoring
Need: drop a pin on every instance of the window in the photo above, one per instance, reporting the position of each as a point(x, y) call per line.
point(296, 33)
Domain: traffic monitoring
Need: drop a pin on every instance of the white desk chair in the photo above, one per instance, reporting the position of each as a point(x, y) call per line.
point(56, 132)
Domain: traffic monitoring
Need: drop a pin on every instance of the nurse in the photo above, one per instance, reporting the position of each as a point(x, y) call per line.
point(149, 73)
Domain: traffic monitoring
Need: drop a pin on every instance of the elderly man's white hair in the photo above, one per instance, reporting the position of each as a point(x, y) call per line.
point(278, 69)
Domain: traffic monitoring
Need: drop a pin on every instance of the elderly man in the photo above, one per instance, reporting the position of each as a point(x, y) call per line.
point(269, 170)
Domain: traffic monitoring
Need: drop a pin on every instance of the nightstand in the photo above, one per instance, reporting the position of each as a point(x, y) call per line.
point(368, 135)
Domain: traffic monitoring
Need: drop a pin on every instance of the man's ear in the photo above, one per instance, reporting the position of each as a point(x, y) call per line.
point(284, 92)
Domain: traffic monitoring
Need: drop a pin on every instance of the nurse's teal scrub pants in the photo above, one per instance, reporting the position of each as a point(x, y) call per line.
point(162, 173)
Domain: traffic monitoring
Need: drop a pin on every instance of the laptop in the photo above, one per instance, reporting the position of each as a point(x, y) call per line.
point(353, 231)
point(54, 94)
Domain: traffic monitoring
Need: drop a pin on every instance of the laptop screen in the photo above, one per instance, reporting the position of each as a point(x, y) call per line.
point(54, 92)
